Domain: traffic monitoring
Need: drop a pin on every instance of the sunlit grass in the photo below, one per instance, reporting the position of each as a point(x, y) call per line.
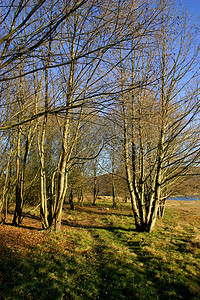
point(99, 255)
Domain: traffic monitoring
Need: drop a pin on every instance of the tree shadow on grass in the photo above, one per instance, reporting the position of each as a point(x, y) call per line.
point(146, 277)
point(104, 272)
point(107, 227)
point(29, 277)
point(100, 210)
point(169, 281)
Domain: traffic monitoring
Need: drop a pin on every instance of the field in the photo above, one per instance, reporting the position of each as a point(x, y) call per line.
point(99, 255)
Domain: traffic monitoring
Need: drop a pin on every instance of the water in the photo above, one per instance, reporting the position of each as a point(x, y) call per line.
point(184, 198)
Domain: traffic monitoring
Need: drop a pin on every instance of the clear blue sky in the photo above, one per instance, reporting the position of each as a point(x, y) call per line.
point(193, 7)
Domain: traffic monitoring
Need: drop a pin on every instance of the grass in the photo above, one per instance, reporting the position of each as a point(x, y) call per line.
point(99, 255)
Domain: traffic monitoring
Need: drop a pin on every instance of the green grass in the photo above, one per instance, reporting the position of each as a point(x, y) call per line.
point(99, 255)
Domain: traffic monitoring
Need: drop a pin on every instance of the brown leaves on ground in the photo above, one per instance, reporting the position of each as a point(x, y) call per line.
point(28, 237)
point(22, 239)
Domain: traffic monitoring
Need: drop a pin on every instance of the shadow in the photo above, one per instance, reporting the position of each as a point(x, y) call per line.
point(98, 210)
point(105, 227)
point(169, 283)
point(23, 226)
point(21, 277)
point(26, 220)
point(30, 216)
point(103, 268)
point(25, 215)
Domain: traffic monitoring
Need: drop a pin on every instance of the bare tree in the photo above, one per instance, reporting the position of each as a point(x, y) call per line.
point(21, 16)
point(77, 81)
point(66, 63)
point(161, 141)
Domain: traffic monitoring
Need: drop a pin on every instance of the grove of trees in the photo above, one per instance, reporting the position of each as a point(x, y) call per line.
point(96, 83)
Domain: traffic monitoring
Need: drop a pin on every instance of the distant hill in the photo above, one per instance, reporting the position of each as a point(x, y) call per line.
point(189, 186)
point(104, 183)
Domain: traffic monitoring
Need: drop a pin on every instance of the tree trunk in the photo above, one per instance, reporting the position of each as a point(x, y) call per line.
point(95, 186)
point(161, 208)
point(71, 197)
point(113, 193)
point(18, 192)
point(43, 195)
point(80, 197)
point(6, 188)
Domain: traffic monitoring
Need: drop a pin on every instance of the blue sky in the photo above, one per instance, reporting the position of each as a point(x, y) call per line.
point(193, 7)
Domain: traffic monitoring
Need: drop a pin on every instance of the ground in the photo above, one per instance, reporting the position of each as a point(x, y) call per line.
point(99, 255)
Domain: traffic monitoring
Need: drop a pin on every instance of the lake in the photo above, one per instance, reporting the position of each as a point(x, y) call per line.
point(184, 198)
